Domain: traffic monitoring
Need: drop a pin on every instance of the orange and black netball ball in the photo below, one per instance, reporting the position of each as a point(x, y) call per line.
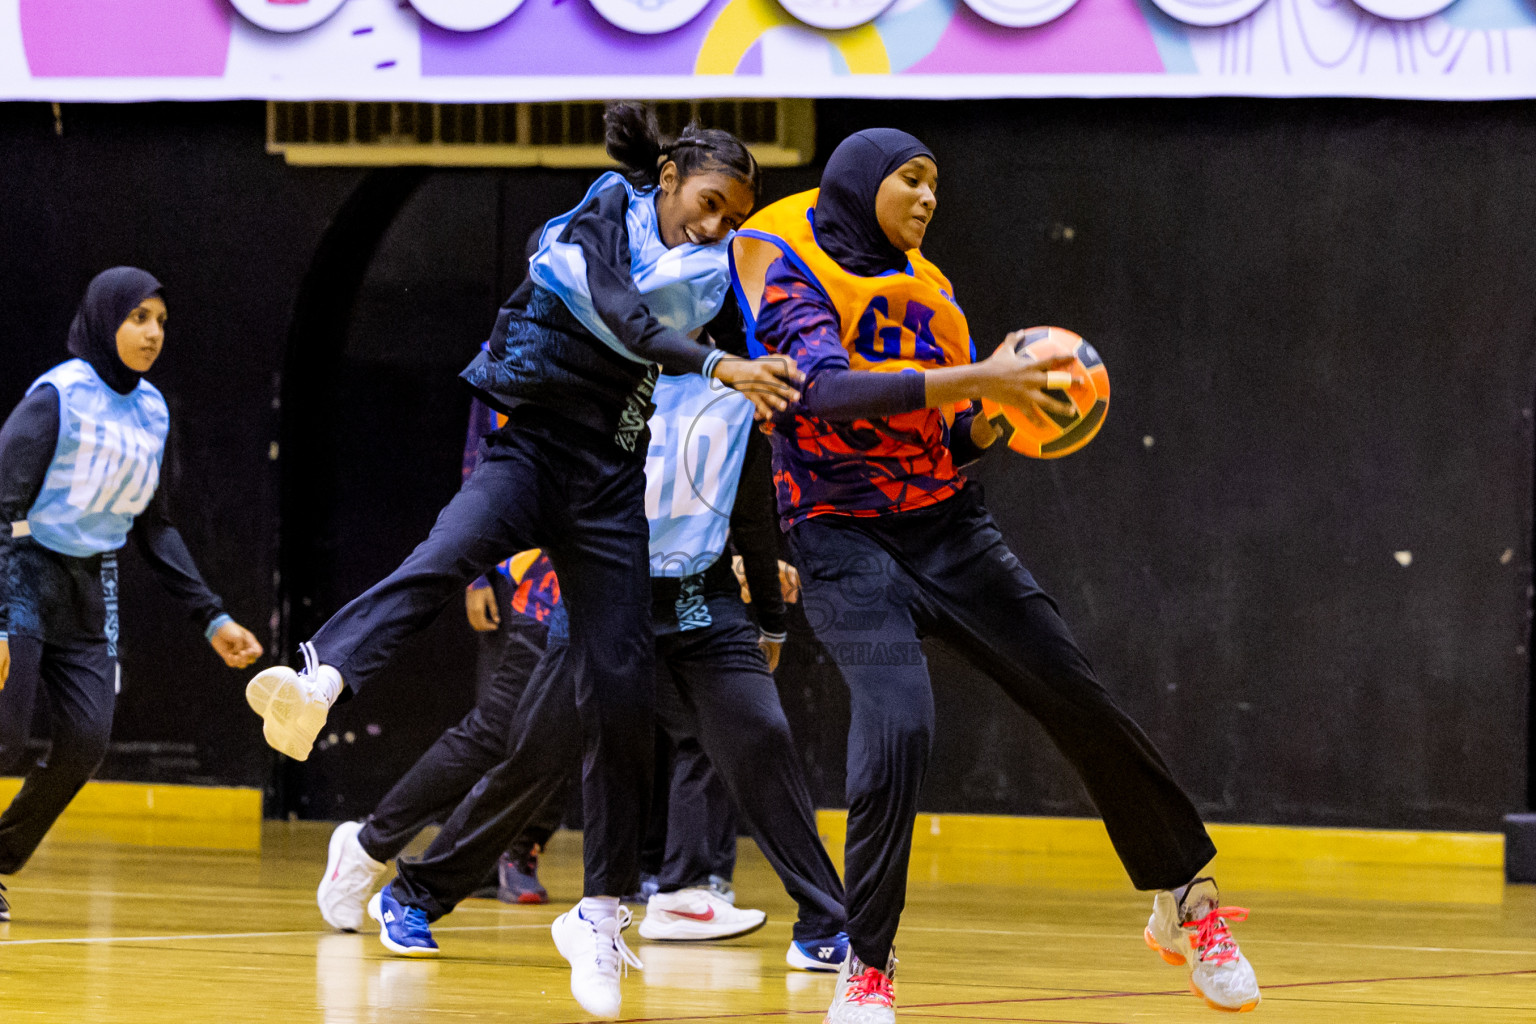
point(1044, 435)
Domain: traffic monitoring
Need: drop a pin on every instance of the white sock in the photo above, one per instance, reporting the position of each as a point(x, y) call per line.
point(328, 684)
point(596, 908)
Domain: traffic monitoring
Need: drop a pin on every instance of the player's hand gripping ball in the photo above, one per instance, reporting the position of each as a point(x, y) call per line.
point(1045, 435)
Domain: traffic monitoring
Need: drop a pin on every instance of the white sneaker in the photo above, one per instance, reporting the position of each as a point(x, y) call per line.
point(350, 875)
point(697, 914)
point(864, 995)
point(597, 955)
point(1194, 931)
point(293, 712)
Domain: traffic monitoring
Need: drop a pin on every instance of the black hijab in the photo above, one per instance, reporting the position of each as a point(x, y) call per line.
point(846, 227)
point(110, 297)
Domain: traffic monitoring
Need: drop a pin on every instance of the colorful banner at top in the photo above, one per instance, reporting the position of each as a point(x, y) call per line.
point(517, 50)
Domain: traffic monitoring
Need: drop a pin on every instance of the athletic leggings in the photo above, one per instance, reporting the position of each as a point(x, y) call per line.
point(548, 483)
point(872, 587)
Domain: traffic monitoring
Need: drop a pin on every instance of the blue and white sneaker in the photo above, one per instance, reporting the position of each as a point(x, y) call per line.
point(402, 929)
point(818, 954)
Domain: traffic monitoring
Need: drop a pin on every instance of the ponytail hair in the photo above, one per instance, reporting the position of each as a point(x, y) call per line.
point(634, 139)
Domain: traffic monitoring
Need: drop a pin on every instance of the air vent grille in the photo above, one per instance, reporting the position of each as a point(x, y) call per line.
point(780, 132)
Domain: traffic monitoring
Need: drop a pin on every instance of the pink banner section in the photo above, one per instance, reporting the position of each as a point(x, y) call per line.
point(126, 38)
point(563, 37)
point(1095, 36)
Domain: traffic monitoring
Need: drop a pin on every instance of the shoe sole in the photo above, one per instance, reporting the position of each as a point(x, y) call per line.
point(800, 962)
point(1178, 960)
point(527, 899)
point(1168, 955)
point(1208, 1001)
point(332, 862)
point(276, 696)
point(375, 911)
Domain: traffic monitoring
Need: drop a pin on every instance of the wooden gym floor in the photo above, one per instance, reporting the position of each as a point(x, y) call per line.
point(123, 933)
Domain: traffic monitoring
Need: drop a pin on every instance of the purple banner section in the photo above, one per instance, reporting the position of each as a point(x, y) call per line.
point(126, 38)
point(1103, 36)
point(563, 37)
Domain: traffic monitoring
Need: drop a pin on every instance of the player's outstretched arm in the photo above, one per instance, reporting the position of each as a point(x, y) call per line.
point(771, 383)
point(1006, 376)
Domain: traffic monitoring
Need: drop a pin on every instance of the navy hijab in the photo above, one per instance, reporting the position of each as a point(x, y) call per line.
point(846, 226)
point(110, 297)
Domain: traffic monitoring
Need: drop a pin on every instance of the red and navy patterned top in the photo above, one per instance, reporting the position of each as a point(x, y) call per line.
point(855, 467)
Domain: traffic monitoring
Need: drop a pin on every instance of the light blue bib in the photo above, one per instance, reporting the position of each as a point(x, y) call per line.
point(105, 466)
point(699, 436)
point(683, 287)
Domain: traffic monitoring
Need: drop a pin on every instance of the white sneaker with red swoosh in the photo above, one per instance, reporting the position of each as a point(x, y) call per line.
point(696, 915)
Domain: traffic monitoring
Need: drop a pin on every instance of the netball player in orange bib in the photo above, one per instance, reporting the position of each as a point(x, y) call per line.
point(883, 525)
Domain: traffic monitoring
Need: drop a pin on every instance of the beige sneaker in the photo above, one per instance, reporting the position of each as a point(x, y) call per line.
point(292, 711)
point(1194, 932)
point(864, 995)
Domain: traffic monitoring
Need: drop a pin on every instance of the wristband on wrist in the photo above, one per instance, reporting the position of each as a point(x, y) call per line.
point(217, 624)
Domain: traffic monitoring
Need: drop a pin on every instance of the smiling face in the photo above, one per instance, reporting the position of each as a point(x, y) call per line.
point(142, 335)
point(702, 208)
point(905, 203)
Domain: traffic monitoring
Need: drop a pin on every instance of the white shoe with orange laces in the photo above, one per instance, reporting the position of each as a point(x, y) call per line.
point(864, 995)
point(1194, 931)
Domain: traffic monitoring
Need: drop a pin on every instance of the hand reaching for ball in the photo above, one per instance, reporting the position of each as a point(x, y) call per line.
point(1013, 378)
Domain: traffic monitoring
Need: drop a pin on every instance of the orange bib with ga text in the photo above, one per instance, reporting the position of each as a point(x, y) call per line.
point(897, 321)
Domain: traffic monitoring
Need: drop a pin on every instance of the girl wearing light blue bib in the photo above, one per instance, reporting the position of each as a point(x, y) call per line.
point(615, 289)
point(80, 462)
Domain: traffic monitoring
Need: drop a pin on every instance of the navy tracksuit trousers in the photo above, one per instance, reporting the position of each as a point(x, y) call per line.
point(61, 618)
point(440, 778)
point(713, 684)
point(548, 483)
point(871, 588)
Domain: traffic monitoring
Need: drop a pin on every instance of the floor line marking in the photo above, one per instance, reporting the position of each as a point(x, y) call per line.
point(88, 940)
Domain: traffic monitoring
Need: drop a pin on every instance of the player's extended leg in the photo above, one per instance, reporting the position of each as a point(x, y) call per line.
point(546, 742)
point(1016, 635)
point(861, 604)
point(78, 677)
point(429, 791)
point(603, 561)
point(684, 907)
point(719, 689)
point(497, 512)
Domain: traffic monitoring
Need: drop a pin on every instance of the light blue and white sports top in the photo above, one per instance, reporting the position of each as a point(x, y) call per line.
point(684, 287)
point(699, 435)
point(106, 465)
